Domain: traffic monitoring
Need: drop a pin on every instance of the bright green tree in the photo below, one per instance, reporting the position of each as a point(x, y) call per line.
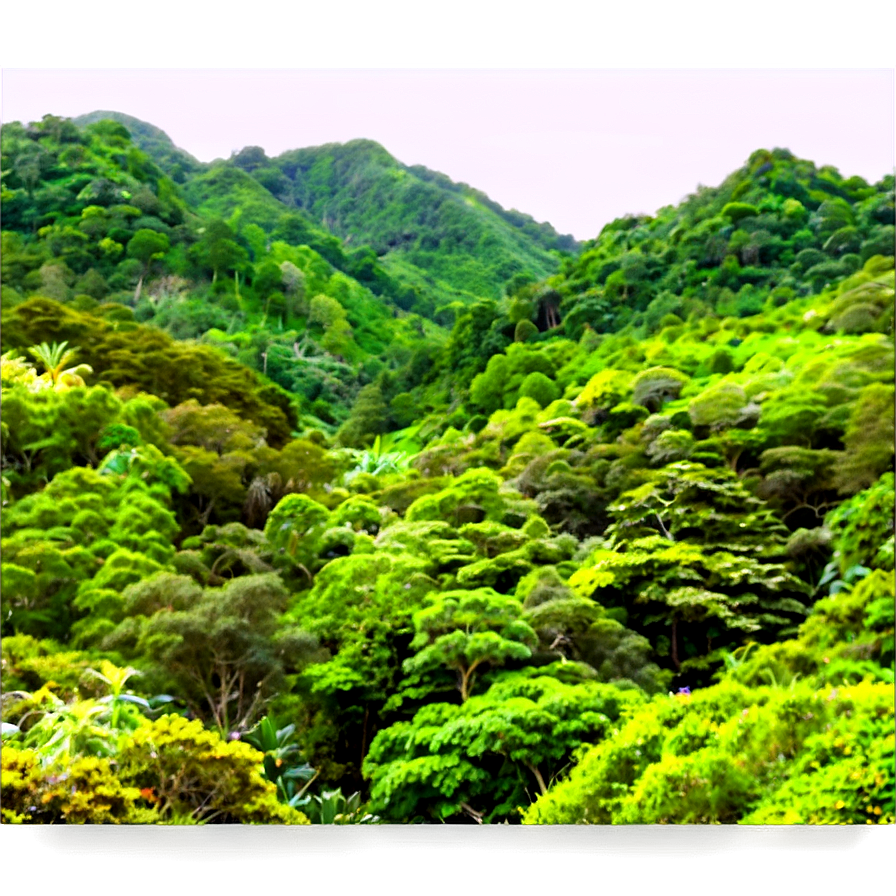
point(146, 245)
point(466, 630)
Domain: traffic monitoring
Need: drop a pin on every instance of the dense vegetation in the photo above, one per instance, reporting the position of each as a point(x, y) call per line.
point(458, 527)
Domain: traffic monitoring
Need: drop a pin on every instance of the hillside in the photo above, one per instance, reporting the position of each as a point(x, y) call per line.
point(426, 231)
point(177, 163)
point(91, 220)
point(612, 546)
point(455, 233)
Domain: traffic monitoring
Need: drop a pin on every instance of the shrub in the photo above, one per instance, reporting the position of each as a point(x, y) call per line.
point(524, 331)
point(85, 790)
point(541, 388)
point(189, 771)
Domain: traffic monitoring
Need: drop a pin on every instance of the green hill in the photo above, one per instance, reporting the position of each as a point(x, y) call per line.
point(280, 547)
point(409, 224)
point(450, 231)
point(778, 224)
point(92, 220)
point(177, 163)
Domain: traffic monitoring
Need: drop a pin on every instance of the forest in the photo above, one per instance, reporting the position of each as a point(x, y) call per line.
point(335, 493)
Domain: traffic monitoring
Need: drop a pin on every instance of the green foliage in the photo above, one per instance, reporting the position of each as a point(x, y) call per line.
point(700, 582)
point(496, 751)
point(655, 386)
point(194, 774)
point(465, 630)
point(472, 497)
point(452, 232)
point(720, 407)
point(689, 502)
point(863, 527)
point(524, 331)
point(536, 385)
point(223, 648)
point(178, 372)
point(282, 764)
point(331, 807)
point(868, 440)
point(732, 755)
point(368, 418)
point(294, 528)
point(145, 245)
point(85, 791)
point(736, 211)
point(449, 522)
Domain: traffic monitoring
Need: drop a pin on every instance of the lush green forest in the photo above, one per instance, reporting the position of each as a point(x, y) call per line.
point(333, 492)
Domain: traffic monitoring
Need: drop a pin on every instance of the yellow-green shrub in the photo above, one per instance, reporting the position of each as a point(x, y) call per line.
point(192, 771)
point(85, 790)
point(729, 754)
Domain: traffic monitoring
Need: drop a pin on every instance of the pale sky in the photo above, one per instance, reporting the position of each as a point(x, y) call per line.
point(573, 147)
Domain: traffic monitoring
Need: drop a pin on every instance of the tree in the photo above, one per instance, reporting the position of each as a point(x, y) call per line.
point(720, 406)
point(268, 279)
point(524, 331)
point(55, 357)
point(368, 418)
point(471, 497)
point(862, 528)
point(657, 385)
point(328, 313)
point(487, 388)
point(214, 427)
point(798, 479)
point(737, 211)
point(671, 445)
point(45, 431)
point(489, 757)
point(868, 440)
point(28, 164)
point(145, 245)
point(465, 630)
point(218, 249)
point(294, 528)
point(216, 448)
point(293, 280)
point(147, 359)
point(686, 501)
point(226, 651)
point(687, 599)
point(217, 482)
point(544, 390)
point(708, 578)
point(577, 628)
point(790, 415)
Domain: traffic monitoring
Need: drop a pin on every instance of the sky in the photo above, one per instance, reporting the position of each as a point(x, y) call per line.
point(577, 148)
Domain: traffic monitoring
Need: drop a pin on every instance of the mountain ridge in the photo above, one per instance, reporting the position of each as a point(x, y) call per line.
point(415, 222)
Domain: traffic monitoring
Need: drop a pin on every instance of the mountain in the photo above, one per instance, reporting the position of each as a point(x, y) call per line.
point(175, 162)
point(453, 232)
point(429, 233)
point(778, 226)
point(610, 546)
point(93, 221)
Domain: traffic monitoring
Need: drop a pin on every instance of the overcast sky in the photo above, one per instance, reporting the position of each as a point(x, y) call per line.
point(576, 148)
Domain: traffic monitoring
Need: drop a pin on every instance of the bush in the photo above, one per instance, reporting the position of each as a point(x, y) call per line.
point(192, 772)
point(541, 388)
point(85, 790)
point(732, 754)
point(737, 211)
point(524, 331)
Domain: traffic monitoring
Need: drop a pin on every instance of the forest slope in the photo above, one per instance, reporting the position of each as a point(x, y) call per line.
point(616, 548)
